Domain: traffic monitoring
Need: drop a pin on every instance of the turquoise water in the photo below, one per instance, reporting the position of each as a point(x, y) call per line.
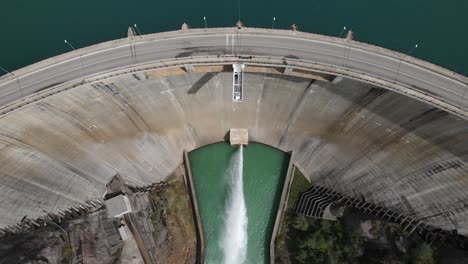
point(35, 30)
point(264, 172)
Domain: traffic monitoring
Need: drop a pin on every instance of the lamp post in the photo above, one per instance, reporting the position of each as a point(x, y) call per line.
point(17, 80)
point(68, 43)
point(81, 60)
point(138, 30)
point(401, 60)
point(412, 49)
point(273, 23)
point(204, 19)
point(342, 31)
point(3, 69)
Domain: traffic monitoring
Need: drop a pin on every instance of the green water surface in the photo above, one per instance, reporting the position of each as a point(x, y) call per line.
point(264, 172)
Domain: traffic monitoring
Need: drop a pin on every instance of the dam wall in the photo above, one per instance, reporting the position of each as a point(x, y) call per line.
point(353, 137)
point(71, 123)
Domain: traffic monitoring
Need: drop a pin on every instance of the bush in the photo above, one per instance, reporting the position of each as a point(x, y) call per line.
point(423, 254)
point(323, 241)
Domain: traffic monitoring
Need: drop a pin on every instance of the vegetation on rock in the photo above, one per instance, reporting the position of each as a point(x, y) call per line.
point(354, 238)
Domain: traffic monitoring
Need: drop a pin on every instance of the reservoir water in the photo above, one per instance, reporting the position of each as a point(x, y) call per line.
point(215, 169)
point(36, 30)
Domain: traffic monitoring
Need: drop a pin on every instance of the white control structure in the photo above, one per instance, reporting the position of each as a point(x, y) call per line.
point(238, 82)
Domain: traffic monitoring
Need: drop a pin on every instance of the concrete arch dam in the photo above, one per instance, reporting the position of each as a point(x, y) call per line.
point(131, 106)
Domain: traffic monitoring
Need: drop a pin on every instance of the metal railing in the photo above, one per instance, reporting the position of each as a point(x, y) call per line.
point(426, 82)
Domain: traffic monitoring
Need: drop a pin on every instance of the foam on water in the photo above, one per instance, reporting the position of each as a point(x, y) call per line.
point(233, 241)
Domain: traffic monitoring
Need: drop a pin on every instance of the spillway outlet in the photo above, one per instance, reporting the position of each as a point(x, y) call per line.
point(239, 136)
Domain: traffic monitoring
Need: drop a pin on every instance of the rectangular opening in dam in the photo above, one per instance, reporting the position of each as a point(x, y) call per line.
point(229, 234)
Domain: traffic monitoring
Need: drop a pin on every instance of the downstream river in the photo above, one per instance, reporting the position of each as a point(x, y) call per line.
point(264, 170)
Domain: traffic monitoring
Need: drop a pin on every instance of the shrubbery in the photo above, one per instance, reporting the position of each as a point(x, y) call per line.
point(321, 241)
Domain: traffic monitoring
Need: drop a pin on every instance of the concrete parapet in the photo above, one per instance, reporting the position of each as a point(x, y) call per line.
point(350, 36)
point(130, 32)
point(282, 205)
point(301, 65)
point(190, 185)
point(184, 26)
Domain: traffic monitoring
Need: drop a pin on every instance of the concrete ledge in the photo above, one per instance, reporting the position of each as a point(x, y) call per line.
point(425, 81)
point(218, 64)
point(196, 213)
point(281, 206)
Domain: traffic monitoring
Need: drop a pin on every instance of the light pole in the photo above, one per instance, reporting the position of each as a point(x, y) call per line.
point(206, 26)
point(81, 60)
point(401, 59)
point(412, 49)
point(138, 30)
point(347, 47)
point(17, 80)
point(273, 23)
point(342, 31)
point(3, 69)
point(68, 43)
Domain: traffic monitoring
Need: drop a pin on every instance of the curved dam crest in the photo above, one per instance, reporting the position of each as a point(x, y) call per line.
point(60, 148)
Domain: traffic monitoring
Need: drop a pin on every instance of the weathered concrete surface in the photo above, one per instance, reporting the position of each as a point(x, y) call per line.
point(347, 135)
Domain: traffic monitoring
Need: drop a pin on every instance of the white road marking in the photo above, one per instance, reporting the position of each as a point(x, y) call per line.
point(300, 42)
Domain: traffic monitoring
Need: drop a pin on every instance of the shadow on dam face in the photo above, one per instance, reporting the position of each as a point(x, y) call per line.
point(426, 122)
point(201, 82)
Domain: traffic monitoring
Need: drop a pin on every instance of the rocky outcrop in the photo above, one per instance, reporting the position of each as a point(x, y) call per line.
point(90, 239)
point(160, 230)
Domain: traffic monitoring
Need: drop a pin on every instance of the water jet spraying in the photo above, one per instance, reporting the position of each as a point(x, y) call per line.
point(234, 238)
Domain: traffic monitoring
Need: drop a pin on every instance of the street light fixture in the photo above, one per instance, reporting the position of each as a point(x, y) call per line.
point(17, 80)
point(81, 59)
point(3, 69)
point(401, 59)
point(206, 26)
point(68, 43)
point(138, 30)
point(342, 31)
point(273, 23)
point(412, 49)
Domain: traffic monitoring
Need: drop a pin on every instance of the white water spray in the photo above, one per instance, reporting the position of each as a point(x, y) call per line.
point(234, 239)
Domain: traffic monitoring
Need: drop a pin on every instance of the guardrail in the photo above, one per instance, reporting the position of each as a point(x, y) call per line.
point(385, 68)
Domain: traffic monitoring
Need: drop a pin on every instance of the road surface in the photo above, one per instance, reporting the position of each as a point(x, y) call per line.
point(354, 57)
